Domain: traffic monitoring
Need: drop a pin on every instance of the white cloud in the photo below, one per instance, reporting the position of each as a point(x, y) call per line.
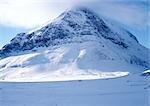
point(29, 13)
point(126, 13)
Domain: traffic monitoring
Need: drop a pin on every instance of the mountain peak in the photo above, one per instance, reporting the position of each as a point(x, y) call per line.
point(81, 9)
point(76, 25)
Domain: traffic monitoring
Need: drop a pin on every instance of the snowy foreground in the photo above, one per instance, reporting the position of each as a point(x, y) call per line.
point(132, 90)
point(45, 78)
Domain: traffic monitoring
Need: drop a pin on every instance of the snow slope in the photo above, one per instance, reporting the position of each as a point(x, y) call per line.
point(56, 64)
point(76, 45)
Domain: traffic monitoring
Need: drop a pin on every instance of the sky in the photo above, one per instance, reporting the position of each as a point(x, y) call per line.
point(18, 16)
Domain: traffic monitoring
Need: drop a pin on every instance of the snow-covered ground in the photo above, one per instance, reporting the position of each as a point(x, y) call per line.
point(132, 90)
point(69, 62)
point(83, 61)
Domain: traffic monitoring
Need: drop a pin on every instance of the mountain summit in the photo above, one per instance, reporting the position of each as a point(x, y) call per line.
point(71, 24)
point(77, 36)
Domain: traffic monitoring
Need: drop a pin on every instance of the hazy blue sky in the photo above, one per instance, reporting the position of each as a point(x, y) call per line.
point(22, 15)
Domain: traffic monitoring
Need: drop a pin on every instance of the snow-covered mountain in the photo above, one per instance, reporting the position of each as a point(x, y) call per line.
point(77, 43)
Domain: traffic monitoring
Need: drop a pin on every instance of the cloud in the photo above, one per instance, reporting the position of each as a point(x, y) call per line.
point(126, 12)
point(30, 13)
point(25, 14)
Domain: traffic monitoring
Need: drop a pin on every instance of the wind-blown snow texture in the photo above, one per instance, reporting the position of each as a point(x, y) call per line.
point(77, 40)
